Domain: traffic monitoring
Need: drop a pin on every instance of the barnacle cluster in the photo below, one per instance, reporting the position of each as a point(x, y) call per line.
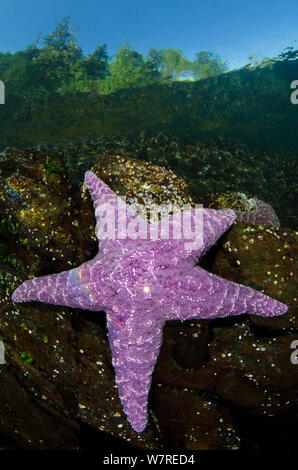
point(152, 189)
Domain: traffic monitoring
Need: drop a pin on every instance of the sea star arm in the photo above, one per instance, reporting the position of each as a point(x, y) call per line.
point(194, 231)
point(73, 288)
point(215, 224)
point(263, 214)
point(205, 295)
point(134, 348)
point(113, 215)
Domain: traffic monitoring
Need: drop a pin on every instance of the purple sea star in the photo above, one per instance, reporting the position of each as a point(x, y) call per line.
point(142, 283)
point(263, 214)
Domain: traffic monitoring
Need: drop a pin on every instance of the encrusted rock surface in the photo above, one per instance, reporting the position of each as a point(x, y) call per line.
point(248, 210)
point(266, 259)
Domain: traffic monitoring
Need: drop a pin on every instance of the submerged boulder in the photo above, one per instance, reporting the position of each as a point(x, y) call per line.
point(146, 186)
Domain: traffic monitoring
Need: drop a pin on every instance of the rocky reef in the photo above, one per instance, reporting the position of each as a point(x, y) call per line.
point(208, 167)
point(221, 384)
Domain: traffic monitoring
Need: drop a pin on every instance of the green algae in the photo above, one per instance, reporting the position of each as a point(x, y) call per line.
point(26, 357)
point(52, 166)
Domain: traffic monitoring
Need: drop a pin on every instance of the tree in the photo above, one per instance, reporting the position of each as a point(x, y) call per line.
point(129, 69)
point(87, 73)
point(207, 64)
point(96, 64)
point(154, 59)
point(59, 54)
point(173, 64)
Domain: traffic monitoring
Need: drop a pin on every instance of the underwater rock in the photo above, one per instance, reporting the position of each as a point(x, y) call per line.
point(188, 419)
point(249, 373)
point(33, 423)
point(254, 373)
point(36, 213)
point(142, 184)
point(263, 258)
point(251, 211)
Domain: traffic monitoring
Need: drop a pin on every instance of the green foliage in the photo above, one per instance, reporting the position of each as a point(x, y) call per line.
point(207, 64)
point(129, 69)
point(171, 63)
point(230, 105)
point(53, 166)
point(54, 65)
point(59, 55)
point(154, 59)
point(96, 64)
point(26, 357)
point(86, 74)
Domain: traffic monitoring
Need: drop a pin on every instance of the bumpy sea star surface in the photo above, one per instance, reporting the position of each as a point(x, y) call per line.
point(143, 282)
point(263, 214)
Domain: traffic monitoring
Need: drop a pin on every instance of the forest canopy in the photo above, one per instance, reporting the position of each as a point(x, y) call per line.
point(56, 63)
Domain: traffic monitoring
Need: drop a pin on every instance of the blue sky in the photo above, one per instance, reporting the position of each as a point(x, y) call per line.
point(233, 29)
